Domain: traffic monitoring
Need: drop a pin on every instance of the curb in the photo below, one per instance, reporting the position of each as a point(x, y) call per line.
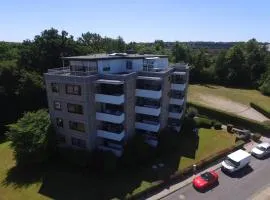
point(188, 182)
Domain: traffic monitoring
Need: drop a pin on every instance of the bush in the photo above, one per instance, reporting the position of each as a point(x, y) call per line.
point(229, 118)
point(203, 122)
point(192, 112)
point(217, 125)
point(256, 137)
point(260, 109)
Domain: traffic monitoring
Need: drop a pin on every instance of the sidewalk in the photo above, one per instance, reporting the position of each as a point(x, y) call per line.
point(175, 187)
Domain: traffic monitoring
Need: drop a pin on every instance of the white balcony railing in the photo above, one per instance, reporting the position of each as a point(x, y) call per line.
point(177, 101)
point(111, 135)
point(118, 119)
point(147, 127)
point(179, 87)
point(176, 115)
point(148, 93)
point(105, 98)
point(147, 110)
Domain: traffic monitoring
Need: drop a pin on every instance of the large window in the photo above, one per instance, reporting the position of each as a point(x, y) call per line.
point(77, 126)
point(59, 122)
point(57, 105)
point(78, 142)
point(75, 108)
point(73, 89)
point(55, 87)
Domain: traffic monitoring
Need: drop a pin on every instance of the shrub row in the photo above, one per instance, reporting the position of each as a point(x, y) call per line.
point(203, 122)
point(230, 118)
point(260, 109)
point(181, 175)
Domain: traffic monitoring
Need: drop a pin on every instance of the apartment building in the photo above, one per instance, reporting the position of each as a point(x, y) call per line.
point(102, 100)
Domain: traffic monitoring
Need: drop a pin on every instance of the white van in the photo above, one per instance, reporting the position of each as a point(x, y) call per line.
point(236, 161)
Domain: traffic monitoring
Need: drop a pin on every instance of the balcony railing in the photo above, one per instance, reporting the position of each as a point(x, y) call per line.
point(175, 114)
point(179, 87)
point(148, 93)
point(117, 150)
point(111, 116)
point(147, 110)
point(111, 135)
point(112, 99)
point(177, 101)
point(148, 126)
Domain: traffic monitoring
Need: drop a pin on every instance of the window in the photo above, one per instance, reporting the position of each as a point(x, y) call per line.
point(75, 108)
point(106, 69)
point(57, 105)
point(59, 122)
point(73, 89)
point(129, 64)
point(77, 126)
point(78, 142)
point(55, 87)
point(61, 139)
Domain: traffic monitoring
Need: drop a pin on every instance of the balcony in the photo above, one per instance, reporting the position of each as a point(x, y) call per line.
point(176, 114)
point(111, 135)
point(113, 98)
point(110, 116)
point(148, 125)
point(179, 87)
point(147, 110)
point(177, 101)
point(148, 93)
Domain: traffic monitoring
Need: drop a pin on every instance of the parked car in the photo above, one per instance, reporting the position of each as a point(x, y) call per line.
point(236, 161)
point(205, 180)
point(261, 150)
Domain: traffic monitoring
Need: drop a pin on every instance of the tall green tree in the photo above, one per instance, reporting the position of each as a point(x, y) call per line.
point(31, 137)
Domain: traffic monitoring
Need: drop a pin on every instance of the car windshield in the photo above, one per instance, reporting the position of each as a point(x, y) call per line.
point(261, 148)
point(207, 176)
point(231, 162)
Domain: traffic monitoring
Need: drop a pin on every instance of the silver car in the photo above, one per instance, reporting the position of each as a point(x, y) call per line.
point(261, 150)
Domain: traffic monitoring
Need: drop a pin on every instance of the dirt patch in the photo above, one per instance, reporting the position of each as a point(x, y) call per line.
point(231, 106)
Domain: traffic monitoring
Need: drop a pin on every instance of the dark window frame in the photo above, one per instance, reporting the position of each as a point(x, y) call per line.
point(78, 142)
point(75, 126)
point(78, 109)
point(73, 92)
point(55, 87)
point(59, 122)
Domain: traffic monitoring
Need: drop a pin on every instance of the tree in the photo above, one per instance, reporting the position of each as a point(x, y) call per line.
point(46, 50)
point(180, 53)
point(220, 69)
point(31, 137)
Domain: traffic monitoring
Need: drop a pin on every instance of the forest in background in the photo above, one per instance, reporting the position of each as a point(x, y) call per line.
point(232, 64)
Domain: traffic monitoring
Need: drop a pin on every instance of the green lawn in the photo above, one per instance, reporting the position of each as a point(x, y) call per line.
point(243, 96)
point(59, 181)
point(211, 141)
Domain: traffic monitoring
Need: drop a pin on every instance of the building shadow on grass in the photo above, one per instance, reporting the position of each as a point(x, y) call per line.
point(62, 181)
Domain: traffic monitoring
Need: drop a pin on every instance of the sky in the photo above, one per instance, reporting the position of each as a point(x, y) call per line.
point(139, 20)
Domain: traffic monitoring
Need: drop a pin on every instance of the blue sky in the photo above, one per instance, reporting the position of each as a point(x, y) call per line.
point(141, 20)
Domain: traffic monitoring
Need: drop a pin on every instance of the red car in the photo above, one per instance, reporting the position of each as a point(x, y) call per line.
point(205, 180)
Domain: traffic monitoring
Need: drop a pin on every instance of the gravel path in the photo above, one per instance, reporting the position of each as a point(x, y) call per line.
point(231, 106)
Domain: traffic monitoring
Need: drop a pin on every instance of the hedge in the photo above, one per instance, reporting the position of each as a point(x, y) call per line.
point(230, 118)
point(203, 122)
point(186, 172)
point(260, 109)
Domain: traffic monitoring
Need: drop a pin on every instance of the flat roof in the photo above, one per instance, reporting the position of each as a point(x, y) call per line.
point(111, 82)
point(238, 155)
point(149, 78)
point(104, 56)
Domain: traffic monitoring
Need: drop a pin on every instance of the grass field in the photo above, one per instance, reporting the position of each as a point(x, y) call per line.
point(59, 181)
point(243, 96)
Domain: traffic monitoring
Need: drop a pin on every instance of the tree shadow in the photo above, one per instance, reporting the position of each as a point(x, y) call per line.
point(23, 176)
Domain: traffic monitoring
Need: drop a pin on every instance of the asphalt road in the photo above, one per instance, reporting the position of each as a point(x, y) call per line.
point(239, 187)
